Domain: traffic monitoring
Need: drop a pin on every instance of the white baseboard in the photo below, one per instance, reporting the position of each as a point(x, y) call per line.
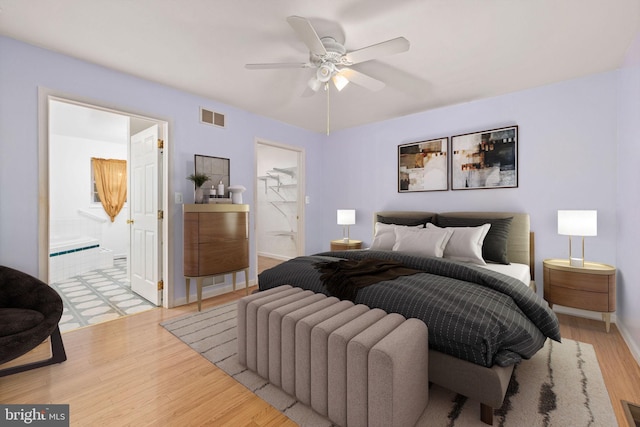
point(210, 291)
point(275, 256)
point(628, 338)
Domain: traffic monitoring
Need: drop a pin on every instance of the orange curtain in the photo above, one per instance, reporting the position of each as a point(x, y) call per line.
point(111, 182)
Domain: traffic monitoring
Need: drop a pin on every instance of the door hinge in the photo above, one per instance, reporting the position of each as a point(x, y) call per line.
point(160, 214)
point(161, 285)
point(160, 144)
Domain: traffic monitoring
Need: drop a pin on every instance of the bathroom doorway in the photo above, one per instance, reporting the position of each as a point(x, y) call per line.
point(90, 250)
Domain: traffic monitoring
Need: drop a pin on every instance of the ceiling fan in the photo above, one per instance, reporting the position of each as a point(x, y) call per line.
point(332, 61)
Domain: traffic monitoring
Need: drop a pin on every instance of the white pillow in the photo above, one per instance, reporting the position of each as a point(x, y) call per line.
point(384, 237)
point(422, 241)
point(465, 244)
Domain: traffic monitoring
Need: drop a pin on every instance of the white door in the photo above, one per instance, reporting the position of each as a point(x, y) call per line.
point(145, 222)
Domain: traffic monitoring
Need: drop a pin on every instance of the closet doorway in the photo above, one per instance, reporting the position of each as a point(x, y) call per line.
point(279, 203)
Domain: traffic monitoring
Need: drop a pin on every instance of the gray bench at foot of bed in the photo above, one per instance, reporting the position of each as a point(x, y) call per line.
point(486, 385)
point(352, 364)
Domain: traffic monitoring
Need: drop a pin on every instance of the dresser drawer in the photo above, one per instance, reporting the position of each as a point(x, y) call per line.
point(579, 281)
point(223, 256)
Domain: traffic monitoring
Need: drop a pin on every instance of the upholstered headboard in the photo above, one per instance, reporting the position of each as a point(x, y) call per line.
point(520, 241)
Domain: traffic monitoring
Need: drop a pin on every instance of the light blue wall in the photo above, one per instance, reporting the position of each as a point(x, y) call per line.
point(23, 68)
point(567, 160)
point(628, 195)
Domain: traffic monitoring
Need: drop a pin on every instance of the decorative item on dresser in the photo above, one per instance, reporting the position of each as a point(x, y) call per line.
point(216, 242)
point(592, 287)
point(217, 172)
point(198, 179)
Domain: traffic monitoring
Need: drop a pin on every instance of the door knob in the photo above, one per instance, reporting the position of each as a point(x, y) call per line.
point(129, 221)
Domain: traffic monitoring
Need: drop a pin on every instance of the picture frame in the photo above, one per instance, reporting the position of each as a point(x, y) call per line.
point(423, 166)
point(486, 159)
point(216, 168)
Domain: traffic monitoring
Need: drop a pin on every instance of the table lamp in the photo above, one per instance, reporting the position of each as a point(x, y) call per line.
point(346, 217)
point(577, 223)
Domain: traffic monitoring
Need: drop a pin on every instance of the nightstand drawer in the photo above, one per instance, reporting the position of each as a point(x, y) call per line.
point(341, 245)
point(579, 281)
point(595, 301)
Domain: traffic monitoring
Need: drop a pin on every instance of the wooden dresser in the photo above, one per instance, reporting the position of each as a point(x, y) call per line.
point(216, 242)
point(592, 287)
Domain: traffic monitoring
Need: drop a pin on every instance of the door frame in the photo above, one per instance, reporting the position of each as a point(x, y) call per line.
point(44, 96)
point(300, 232)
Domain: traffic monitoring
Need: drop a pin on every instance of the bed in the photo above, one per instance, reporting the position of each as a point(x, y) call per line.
point(481, 321)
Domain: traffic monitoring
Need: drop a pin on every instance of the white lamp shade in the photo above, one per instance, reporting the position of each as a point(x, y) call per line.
point(346, 216)
point(578, 223)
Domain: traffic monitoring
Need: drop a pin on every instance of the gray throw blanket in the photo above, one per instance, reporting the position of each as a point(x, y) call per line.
point(343, 278)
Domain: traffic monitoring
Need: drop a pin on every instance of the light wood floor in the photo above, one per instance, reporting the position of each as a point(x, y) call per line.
point(131, 371)
point(266, 262)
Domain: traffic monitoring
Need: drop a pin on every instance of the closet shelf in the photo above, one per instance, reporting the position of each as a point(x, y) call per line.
point(291, 171)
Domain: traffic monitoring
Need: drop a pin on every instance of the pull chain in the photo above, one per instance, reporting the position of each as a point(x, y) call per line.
point(326, 87)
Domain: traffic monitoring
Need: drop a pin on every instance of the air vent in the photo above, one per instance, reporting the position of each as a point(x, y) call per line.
point(211, 118)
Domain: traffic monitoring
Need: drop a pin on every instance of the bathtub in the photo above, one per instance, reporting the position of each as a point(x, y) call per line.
point(73, 255)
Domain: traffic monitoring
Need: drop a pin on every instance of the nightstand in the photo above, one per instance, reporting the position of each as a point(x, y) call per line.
point(341, 245)
point(592, 287)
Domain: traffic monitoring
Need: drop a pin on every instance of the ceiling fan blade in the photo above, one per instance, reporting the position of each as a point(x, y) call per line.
point(362, 79)
point(277, 65)
point(390, 47)
point(307, 34)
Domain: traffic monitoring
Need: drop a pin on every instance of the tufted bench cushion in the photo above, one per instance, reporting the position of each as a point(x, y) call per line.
point(337, 362)
point(399, 386)
point(352, 364)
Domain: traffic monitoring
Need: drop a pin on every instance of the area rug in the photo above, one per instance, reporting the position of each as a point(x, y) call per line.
point(560, 386)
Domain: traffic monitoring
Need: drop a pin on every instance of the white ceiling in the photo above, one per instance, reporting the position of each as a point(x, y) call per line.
point(461, 50)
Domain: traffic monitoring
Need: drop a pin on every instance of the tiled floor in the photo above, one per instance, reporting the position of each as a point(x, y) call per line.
point(98, 296)
point(105, 294)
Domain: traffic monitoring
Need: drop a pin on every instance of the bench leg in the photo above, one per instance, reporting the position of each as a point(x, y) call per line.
point(486, 414)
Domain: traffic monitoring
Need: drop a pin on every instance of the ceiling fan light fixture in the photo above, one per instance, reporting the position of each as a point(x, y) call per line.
point(325, 71)
point(314, 84)
point(340, 82)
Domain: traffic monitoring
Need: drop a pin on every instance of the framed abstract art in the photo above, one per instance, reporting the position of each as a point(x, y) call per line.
point(423, 166)
point(487, 159)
